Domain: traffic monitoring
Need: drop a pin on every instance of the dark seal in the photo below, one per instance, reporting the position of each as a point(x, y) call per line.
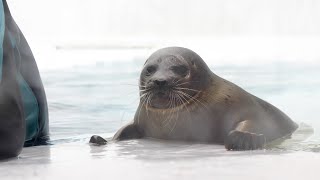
point(182, 99)
point(24, 119)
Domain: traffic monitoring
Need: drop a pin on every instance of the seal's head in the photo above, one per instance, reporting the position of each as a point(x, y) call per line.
point(171, 77)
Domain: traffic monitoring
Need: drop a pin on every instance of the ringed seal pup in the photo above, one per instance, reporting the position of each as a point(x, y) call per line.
point(182, 99)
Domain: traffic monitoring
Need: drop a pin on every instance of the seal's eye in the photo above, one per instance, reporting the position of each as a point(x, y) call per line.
point(150, 70)
point(180, 70)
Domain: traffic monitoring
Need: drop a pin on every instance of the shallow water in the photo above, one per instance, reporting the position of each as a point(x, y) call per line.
point(100, 96)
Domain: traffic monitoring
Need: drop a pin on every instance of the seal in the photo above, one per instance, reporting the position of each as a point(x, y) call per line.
point(181, 99)
point(32, 92)
point(24, 119)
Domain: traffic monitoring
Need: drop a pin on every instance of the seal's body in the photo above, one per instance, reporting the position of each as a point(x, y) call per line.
point(213, 115)
point(181, 99)
point(24, 119)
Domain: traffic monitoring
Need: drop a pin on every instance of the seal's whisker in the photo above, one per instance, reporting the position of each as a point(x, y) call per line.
point(185, 83)
point(148, 103)
point(143, 95)
point(171, 106)
point(168, 103)
point(174, 119)
point(168, 121)
point(175, 83)
point(143, 99)
point(192, 99)
point(182, 84)
point(142, 81)
point(177, 117)
point(143, 90)
point(188, 89)
point(184, 103)
point(142, 86)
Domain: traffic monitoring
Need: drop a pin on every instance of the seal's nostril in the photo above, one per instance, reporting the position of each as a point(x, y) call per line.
point(160, 82)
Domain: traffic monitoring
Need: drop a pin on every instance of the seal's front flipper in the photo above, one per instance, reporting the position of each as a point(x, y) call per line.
point(98, 140)
point(130, 131)
point(127, 132)
point(242, 138)
point(240, 141)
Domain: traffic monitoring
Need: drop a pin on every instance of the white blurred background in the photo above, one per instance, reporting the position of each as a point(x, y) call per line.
point(221, 31)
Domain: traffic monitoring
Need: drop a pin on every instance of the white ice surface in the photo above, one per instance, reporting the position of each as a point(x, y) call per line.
point(149, 159)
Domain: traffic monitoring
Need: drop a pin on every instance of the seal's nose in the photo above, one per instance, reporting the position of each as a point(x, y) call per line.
point(160, 82)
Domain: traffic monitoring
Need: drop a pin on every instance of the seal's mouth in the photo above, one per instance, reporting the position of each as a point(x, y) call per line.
point(161, 94)
point(160, 98)
point(157, 97)
point(166, 98)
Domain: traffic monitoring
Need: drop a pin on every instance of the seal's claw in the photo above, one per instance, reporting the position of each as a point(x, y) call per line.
point(239, 140)
point(98, 140)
